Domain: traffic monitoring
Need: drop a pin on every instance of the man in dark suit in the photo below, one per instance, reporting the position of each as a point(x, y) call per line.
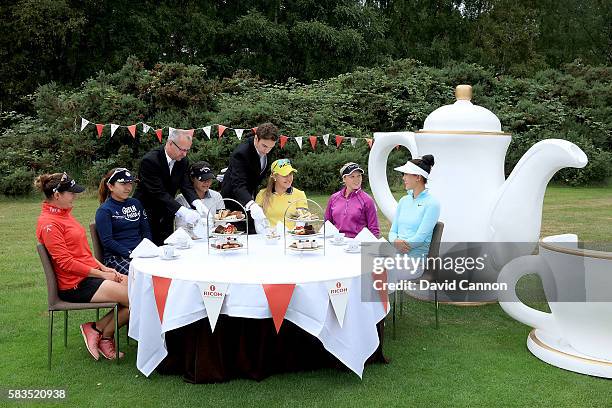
point(162, 172)
point(248, 167)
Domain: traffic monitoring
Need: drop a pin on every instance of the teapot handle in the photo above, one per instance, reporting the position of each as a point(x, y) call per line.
point(377, 167)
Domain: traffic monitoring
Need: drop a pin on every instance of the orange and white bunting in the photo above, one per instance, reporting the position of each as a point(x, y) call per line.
point(313, 141)
point(326, 139)
point(207, 130)
point(99, 129)
point(339, 140)
point(132, 130)
point(239, 133)
point(338, 291)
point(145, 128)
point(298, 140)
point(353, 141)
point(221, 129)
point(158, 133)
point(283, 140)
point(213, 294)
point(161, 286)
point(279, 296)
point(369, 142)
point(84, 123)
point(113, 129)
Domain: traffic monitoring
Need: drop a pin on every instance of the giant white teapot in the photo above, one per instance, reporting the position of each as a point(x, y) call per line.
point(477, 203)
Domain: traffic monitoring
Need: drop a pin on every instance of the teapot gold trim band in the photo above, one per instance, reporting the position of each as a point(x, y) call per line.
point(462, 132)
point(587, 253)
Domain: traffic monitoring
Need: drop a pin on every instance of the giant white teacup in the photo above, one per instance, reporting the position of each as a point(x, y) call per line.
point(578, 288)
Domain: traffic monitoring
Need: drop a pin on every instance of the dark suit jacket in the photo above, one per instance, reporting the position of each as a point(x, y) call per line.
point(243, 176)
point(157, 188)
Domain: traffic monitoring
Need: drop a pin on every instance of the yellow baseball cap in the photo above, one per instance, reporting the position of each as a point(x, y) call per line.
point(282, 167)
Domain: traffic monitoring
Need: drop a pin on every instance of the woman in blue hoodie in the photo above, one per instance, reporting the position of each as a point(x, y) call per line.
point(121, 220)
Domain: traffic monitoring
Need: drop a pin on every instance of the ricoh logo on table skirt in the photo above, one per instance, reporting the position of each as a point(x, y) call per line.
point(211, 292)
point(339, 289)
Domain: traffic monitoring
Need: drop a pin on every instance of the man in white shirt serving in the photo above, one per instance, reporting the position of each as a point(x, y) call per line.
point(248, 167)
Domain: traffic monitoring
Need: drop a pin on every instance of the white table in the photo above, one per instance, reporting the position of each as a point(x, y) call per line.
point(309, 309)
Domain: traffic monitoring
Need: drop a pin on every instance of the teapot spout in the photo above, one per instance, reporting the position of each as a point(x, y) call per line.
point(516, 214)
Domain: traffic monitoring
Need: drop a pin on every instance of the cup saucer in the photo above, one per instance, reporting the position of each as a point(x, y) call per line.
point(170, 258)
point(337, 243)
point(352, 251)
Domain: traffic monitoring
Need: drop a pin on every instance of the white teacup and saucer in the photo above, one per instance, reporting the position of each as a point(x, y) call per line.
point(168, 253)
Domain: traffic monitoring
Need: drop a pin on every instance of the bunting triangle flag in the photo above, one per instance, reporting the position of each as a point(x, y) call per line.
point(158, 132)
point(160, 290)
point(239, 133)
point(113, 129)
point(339, 140)
point(298, 140)
point(383, 293)
point(132, 130)
point(145, 128)
point(170, 131)
point(206, 130)
point(221, 129)
point(190, 132)
point(213, 295)
point(99, 128)
point(84, 123)
point(279, 296)
point(369, 142)
point(283, 140)
point(353, 141)
point(338, 291)
point(326, 139)
point(313, 141)
point(254, 130)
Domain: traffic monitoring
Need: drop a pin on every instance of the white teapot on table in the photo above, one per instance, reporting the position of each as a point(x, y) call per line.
point(477, 203)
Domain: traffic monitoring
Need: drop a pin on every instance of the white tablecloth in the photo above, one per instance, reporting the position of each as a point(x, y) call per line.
point(310, 308)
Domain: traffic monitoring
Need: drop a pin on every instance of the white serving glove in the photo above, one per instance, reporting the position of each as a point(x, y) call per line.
point(257, 213)
point(200, 207)
point(262, 225)
point(188, 215)
point(221, 175)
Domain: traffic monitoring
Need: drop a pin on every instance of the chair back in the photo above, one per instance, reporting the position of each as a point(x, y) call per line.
point(436, 238)
point(45, 259)
point(96, 243)
point(434, 251)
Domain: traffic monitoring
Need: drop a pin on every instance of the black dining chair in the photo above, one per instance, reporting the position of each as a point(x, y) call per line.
point(430, 274)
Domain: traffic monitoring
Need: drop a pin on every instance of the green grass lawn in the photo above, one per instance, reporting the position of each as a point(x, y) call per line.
point(478, 356)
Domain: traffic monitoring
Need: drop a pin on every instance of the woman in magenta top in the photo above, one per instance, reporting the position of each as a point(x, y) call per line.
point(351, 209)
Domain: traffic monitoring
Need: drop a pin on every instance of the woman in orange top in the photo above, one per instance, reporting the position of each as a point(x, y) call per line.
point(80, 277)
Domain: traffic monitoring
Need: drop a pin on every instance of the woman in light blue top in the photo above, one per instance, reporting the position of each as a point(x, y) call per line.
point(417, 213)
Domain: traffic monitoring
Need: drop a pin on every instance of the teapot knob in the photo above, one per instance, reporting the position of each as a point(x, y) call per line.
point(463, 92)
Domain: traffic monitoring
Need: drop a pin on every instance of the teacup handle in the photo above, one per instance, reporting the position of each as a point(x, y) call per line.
point(377, 167)
point(509, 301)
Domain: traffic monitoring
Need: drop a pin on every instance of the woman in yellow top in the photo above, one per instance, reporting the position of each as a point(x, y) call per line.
point(279, 193)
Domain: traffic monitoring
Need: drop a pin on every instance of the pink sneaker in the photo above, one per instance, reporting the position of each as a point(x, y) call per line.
point(92, 338)
point(107, 348)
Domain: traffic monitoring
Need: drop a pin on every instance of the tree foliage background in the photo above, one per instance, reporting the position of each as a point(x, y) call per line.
point(347, 67)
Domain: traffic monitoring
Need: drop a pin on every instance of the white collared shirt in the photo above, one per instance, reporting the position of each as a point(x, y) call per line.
point(170, 161)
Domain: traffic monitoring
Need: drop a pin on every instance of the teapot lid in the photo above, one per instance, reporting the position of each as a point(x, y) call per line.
point(462, 117)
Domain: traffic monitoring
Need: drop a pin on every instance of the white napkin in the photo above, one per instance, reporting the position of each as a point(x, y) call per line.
point(145, 249)
point(280, 229)
point(199, 230)
point(180, 235)
point(365, 235)
point(330, 229)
